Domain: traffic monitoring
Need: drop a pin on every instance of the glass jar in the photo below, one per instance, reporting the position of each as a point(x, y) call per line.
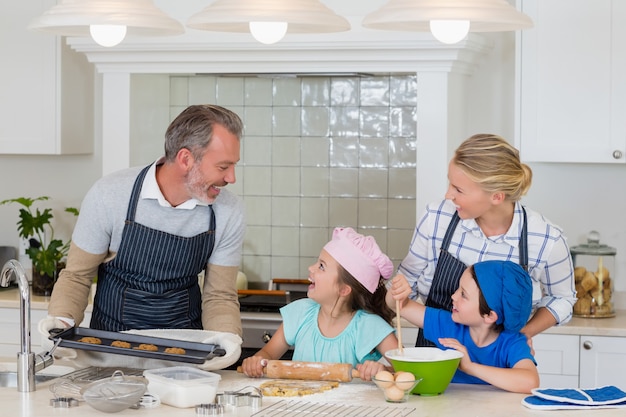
point(594, 264)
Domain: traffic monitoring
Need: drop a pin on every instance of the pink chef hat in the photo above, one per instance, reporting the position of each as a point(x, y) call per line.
point(360, 256)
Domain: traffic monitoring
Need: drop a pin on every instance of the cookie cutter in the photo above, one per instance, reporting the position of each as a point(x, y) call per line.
point(64, 402)
point(241, 398)
point(209, 409)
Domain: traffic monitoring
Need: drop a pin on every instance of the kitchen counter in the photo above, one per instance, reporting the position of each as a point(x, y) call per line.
point(459, 399)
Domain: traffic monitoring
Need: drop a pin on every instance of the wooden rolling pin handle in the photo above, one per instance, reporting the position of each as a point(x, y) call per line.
point(314, 371)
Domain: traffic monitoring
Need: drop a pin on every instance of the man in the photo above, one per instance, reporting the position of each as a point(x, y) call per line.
point(146, 233)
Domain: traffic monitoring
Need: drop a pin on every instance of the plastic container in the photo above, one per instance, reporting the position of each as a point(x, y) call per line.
point(182, 386)
point(594, 266)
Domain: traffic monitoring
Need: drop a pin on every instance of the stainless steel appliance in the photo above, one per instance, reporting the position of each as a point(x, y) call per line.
point(260, 316)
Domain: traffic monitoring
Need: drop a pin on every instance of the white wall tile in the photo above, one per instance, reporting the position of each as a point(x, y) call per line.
point(373, 183)
point(287, 92)
point(400, 213)
point(257, 181)
point(372, 212)
point(315, 121)
point(286, 151)
point(257, 91)
point(314, 182)
point(402, 182)
point(285, 211)
point(229, 91)
point(257, 150)
point(315, 91)
point(344, 182)
point(285, 241)
point(258, 210)
point(286, 181)
point(258, 121)
point(202, 90)
point(343, 212)
point(312, 240)
point(315, 151)
point(314, 212)
point(286, 121)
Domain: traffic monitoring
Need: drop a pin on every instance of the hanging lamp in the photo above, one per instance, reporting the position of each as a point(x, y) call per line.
point(448, 20)
point(107, 21)
point(268, 20)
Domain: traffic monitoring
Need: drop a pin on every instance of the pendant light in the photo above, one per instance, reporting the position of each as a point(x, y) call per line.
point(107, 21)
point(448, 20)
point(268, 20)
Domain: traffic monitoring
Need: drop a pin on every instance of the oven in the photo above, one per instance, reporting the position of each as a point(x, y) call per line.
point(260, 316)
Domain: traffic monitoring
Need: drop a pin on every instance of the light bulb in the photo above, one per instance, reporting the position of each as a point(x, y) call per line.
point(107, 35)
point(268, 32)
point(449, 31)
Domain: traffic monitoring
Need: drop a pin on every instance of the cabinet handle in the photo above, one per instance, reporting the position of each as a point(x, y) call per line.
point(617, 154)
point(587, 345)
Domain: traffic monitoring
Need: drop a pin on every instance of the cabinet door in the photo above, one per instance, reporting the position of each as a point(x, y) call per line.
point(572, 93)
point(46, 104)
point(602, 361)
point(557, 360)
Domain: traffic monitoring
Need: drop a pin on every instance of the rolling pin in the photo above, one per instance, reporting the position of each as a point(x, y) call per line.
point(313, 371)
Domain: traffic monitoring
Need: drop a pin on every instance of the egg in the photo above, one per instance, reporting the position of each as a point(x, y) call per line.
point(384, 379)
point(393, 393)
point(404, 380)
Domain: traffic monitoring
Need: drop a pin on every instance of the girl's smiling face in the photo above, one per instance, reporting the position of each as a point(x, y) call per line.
point(324, 279)
point(465, 301)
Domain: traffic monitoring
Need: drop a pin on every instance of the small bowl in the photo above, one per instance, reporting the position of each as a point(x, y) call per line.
point(434, 366)
point(396, 392)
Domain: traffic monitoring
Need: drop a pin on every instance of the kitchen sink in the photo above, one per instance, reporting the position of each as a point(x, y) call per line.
point(8, 374)
point(9, 379)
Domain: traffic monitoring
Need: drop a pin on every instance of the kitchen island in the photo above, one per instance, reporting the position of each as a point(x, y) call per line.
point(458, 399)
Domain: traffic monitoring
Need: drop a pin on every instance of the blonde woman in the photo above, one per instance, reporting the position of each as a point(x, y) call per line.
point(482, 219)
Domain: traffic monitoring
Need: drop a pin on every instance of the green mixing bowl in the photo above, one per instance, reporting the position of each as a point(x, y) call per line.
point(435, 366)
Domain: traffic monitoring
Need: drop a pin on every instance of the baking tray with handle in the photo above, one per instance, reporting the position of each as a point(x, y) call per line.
point(195, 352)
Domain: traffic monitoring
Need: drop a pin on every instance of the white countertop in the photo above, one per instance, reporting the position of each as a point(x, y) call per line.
point(458, 399)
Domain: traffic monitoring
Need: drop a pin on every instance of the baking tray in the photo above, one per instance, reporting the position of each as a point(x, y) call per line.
point(195, 352)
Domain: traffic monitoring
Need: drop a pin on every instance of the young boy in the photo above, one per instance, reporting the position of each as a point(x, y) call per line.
point(490, 307)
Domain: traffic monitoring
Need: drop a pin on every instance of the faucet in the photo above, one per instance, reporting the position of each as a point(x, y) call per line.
point(27, 362)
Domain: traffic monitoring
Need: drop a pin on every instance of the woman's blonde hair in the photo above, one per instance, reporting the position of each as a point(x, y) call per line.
point(489, 160)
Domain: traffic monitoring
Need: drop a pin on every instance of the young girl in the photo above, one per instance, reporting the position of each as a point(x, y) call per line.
point(345, 318)
point(489, 308)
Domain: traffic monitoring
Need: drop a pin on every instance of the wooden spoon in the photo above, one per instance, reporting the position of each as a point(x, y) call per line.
point(399, 329)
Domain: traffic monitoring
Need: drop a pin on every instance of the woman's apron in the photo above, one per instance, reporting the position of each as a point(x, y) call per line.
point(449, 270)
point(152, 283)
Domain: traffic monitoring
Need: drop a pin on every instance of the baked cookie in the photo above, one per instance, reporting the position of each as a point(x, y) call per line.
point(175, 350)
point(147, 346)
point(91, 340)
point(120, 344)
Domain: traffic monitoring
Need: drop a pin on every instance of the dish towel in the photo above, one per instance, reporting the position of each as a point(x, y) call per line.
point(575, 398)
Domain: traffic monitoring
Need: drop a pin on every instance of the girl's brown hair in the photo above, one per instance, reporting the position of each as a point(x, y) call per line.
point(362, 299)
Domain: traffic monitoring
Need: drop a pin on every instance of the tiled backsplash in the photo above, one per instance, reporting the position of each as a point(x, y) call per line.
point(318, 152)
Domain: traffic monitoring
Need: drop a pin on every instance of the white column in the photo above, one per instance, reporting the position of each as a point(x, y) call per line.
point(115, 122)
point(432, 137)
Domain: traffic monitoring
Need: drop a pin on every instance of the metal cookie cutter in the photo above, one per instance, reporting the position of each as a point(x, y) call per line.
point(63, 402)
point(209, 410)
point(240, 398)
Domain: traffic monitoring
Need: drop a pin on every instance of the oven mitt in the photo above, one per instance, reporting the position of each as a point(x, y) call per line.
point(44, 326)
point(575, 398)
point(230, 342)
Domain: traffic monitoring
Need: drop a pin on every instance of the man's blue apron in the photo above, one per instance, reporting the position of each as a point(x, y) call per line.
point(449, 270)
point(152, 283)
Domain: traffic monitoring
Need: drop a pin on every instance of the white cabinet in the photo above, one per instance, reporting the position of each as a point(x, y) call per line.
point(10, 329)
point(570, 361)
point(47, 100)
point(602, 361)
point(557, 359)
point(572, 82)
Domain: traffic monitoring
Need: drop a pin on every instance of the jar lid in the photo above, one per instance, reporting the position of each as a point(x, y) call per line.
point(593, 246)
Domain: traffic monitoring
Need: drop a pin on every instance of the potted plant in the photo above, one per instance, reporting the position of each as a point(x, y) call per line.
point(44, 250)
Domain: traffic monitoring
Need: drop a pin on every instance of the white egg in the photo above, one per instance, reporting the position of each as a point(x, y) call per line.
point(393, 393)
point(384, 379)
point(404, 380)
